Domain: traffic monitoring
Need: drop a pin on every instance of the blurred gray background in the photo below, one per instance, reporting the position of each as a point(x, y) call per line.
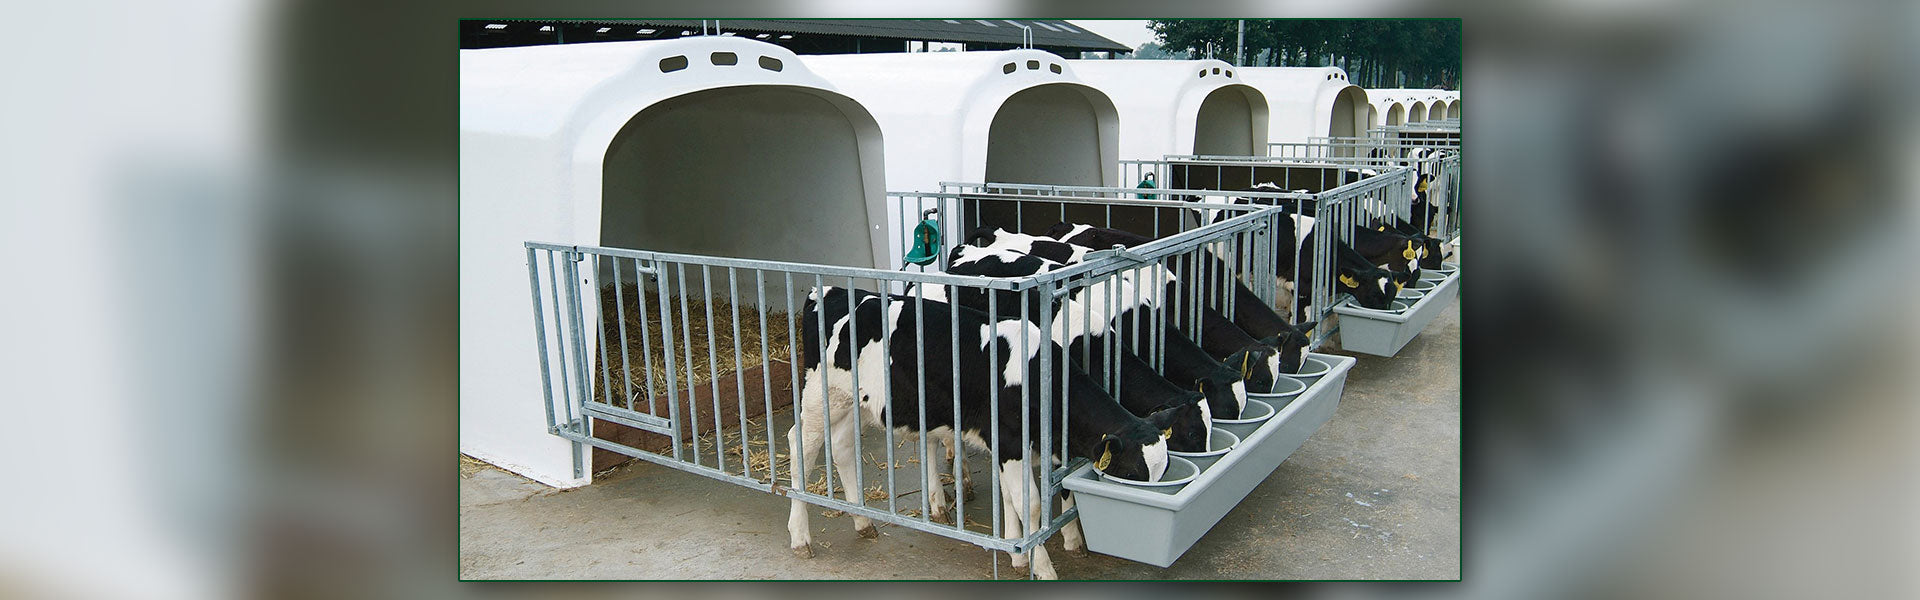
point(229, 231)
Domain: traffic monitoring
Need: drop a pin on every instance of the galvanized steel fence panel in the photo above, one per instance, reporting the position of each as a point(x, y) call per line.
point(687, 351)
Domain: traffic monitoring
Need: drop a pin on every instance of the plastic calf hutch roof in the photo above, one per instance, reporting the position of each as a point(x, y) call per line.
point(1304, 102)
point(1007, 116)
point(708, 145)
point(1180, 107)
point(1384, 99)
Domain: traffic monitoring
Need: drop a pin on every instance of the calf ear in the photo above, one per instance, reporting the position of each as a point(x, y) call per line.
point(981, 234)
point(1204, 386)
point(1107, 444)
point(1305, 326)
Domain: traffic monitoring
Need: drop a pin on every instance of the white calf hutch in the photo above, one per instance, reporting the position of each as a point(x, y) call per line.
point(1180, 106)
point(1306, 102)
point(1015, 115)
point(685, 252)
point(707, 145)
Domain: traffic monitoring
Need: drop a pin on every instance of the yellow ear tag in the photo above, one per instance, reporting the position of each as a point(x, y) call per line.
point(1349, 281)
point(1410, 253)
point(1383, 228)
point(1244, 358)
point(1106, 458)
point(1166, 433)
point(1422, 186)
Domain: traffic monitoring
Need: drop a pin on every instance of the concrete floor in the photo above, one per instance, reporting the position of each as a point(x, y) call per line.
point(1375, 494)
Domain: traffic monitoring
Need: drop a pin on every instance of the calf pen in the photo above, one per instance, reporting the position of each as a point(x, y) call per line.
point(1362, 191)
point(1432, 151)
point(691, 352)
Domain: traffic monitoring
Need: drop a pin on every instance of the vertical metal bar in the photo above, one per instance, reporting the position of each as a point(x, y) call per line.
point(959, 450)
point(540, 332)
point(713, 370)
point(920, 368)
point(993, 395)
point(620, 313)
point(739, 370)
point(582, 379)
point(826, 399)
point(886, 388)
point(606, 366)
point(941, 205)
point(794, 356)
point(853, 354)
point(666, 347)
point(564, 414)
point(646, 335)
point(766, 371)
point(686, 343)
point(1047, 369)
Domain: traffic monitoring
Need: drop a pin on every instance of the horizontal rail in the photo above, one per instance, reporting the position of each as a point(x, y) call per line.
point(988, 541)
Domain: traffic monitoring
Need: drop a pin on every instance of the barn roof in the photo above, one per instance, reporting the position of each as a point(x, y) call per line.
point(1046, 32)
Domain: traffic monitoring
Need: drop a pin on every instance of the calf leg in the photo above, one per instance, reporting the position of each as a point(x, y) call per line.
point(1023, 516)
point(936, 492)
point(845, 457)
point(964, 480)
point(804, 441)
point(1010, 512)
point(1070, 533)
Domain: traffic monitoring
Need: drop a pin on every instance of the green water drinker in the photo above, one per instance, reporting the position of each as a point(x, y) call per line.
point(926, 240)
point(1146, 182)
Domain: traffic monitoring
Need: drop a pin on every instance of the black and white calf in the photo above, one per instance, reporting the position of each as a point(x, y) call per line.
point(991, 357)
point(1043, 247)
point(1396, 252)
point(1083, 324)
point(1257, 342)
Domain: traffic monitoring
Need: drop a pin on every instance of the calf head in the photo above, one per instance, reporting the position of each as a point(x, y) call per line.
point(1371, 287)
point(1429, 253)
point(1222, 402)
point(1258, 365)
point(1184, 423)
point(1292, 345)
point(1137, 452)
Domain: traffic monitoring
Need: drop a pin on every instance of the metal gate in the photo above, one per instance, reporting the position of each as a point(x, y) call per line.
point(698, 360)
point(1341, 209)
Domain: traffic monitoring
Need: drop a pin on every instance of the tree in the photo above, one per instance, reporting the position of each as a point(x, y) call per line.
point(1150, 50)
point(1376, 53)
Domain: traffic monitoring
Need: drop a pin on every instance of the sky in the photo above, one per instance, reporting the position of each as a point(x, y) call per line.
point(1132, 32)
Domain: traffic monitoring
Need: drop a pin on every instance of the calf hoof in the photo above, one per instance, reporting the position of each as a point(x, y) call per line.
point(968, 493)
point(1077, 552)
point(869, 532)
point(1020, 572)
point(803, 551)
point(943, 519)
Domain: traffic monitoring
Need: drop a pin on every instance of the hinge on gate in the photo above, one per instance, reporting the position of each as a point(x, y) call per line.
point(1117, 252)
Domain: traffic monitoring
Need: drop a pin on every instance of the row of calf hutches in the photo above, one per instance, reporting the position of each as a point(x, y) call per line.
point(731, 147)
point(1405, 106)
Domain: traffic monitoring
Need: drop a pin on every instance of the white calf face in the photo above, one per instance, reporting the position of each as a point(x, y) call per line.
point(1156, 457)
